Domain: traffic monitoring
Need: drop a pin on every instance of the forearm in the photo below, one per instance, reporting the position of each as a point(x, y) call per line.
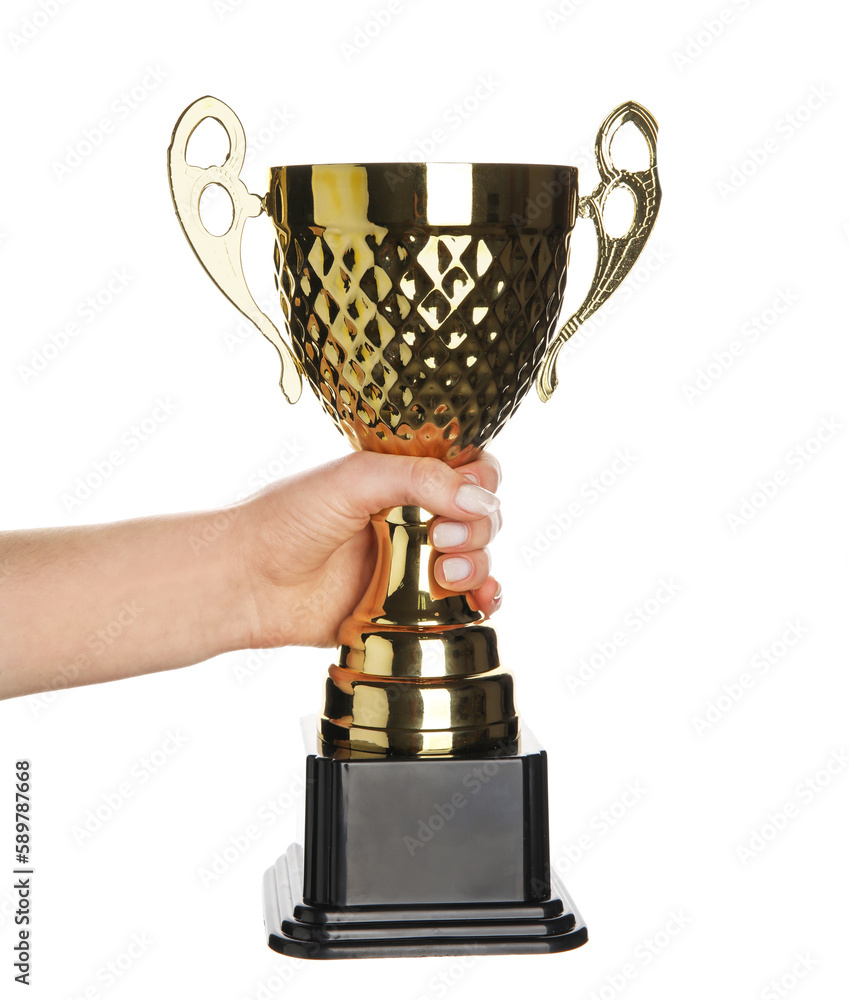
point(101, 602)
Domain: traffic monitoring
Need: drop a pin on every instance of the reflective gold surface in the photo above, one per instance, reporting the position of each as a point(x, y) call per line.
point(418, 717)
point(417, 673)
point(422, 301)
point(221, 256)
point(420, 297)
point(616, 254)
point(403, 592)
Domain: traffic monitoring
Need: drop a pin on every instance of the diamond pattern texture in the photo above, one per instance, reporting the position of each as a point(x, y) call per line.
point(421, 340)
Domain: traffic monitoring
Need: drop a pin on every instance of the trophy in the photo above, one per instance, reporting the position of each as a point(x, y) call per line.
point(422, 302)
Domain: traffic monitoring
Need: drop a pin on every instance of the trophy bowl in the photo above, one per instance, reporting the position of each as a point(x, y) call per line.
point(422, 302)
point(420, 305)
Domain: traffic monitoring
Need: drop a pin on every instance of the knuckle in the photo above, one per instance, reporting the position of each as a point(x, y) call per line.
point(491, 463)
point(495, 523)
point(358, 461)
point(427, 474)
point(496, 467)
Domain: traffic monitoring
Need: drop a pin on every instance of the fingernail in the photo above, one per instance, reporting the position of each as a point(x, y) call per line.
point(476, 500)
point(447, 534)
point(456, 568)
point(472, 477)
point(496, 597)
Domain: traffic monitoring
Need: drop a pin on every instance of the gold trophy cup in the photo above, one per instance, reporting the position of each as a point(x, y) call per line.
point(422, 301)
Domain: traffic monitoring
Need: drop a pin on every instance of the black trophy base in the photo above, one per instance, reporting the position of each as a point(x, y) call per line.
point(302, 931)
point(422, 857)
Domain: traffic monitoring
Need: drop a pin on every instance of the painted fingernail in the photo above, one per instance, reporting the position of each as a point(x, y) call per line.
point(447, 534)
point(472, 478)
point(496, 597)
point(456, 568)
point(476, 500)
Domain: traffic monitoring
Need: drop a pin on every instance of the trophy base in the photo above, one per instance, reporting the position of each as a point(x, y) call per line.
point(300, 930)
point(404, 856)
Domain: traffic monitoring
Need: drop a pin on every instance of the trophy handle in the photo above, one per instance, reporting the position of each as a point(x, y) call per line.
point(221, 256)
point(616, 254)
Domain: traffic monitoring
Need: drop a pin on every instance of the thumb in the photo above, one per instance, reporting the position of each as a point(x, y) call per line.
point(364, 483)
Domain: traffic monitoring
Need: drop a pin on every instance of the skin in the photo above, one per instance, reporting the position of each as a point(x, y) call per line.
point(81, 605)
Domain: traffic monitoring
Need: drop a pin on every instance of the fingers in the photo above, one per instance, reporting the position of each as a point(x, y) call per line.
point(467, 512)
point(487, 597)
point(485, 472)
point(465, 567)
point(466, 571)
point(464, 536)
point(466, 564)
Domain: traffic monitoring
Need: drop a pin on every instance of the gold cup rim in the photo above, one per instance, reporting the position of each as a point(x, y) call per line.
point(413, 165)
point(430, 193)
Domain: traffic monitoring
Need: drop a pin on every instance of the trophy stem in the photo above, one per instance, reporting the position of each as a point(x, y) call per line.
point(403, 592)
point(418, 672)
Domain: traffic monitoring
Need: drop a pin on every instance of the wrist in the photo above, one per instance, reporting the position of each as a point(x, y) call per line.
point(226, 608)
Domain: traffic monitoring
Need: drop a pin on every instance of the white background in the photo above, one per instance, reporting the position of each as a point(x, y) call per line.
point(734, 236)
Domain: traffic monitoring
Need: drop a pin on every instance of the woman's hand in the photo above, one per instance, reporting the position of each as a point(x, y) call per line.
point(309, 536)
